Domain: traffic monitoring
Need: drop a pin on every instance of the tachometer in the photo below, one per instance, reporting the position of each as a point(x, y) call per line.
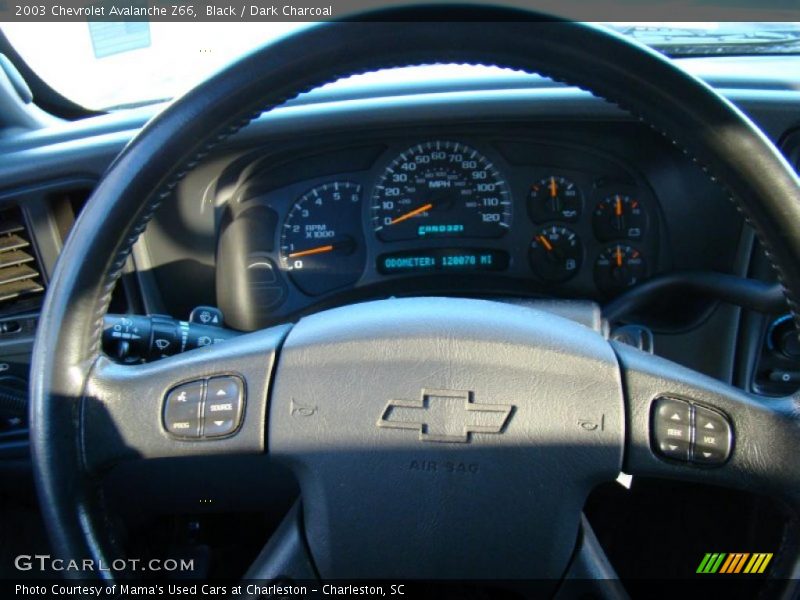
point(440, 189)
point(321, 243)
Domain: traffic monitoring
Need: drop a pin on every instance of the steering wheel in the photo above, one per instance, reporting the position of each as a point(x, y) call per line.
point(431, 437)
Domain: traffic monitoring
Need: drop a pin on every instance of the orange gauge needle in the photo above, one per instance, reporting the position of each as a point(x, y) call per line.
point(618, 207)
point(412, 213)
point(546, 243)
point(619, 256)
point(553, 187)
point(310, 251)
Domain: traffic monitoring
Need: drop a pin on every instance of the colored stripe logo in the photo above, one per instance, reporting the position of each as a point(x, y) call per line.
point(735, 562)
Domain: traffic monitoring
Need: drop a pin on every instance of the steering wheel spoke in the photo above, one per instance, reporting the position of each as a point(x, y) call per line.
point(212, 400)
point(685, 425)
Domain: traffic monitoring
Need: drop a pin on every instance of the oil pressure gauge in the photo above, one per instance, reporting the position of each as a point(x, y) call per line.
point(554, 199)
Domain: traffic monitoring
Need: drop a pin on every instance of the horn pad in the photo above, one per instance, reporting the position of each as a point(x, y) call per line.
point(445, 438)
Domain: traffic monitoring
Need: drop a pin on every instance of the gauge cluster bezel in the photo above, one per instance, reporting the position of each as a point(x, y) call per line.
point(521, 161)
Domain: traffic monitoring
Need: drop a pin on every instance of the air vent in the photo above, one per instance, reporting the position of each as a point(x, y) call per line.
point(19, 272)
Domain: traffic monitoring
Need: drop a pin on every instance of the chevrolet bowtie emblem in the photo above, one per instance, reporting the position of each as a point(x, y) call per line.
point(445, 416)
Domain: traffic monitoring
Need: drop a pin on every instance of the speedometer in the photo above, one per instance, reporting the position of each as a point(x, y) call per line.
point(440, 189)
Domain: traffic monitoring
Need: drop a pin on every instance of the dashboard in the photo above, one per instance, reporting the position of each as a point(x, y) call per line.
point(427, 214)
point(536, 191)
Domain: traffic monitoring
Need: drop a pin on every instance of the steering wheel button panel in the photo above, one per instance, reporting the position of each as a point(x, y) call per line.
point(684, 431)
point(223, 409)
point(182, 410)
point(712, 439)
point(671, 428)
point(206, 408)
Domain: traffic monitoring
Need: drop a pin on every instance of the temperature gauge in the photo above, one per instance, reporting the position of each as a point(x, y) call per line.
point(618, 267)
point(555, 253)
point(619, 216)
point(554, 199)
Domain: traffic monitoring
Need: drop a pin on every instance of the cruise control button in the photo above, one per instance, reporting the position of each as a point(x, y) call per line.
point(223, 410)
point(712, 437)
point(671, 428)
point(182, 410)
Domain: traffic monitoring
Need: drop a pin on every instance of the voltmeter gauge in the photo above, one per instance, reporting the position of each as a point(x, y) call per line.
point(555, 253)
point(618, 217)
point(618, 267)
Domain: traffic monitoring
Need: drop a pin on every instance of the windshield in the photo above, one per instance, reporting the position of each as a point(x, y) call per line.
point(104, 65)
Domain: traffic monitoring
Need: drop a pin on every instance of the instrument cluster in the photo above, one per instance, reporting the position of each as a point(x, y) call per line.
point(507, 216)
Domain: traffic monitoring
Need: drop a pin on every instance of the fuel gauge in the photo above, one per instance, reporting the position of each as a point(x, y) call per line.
point(618, 267)
point(555, 253)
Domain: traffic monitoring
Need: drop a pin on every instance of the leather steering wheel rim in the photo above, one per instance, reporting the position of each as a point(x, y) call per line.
point(687, 111)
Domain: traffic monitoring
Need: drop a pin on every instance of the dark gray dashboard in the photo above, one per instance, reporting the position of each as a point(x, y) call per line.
point(528, 126)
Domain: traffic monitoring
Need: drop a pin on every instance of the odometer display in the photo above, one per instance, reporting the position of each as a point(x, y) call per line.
point(440, 189)
point(443, 259)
